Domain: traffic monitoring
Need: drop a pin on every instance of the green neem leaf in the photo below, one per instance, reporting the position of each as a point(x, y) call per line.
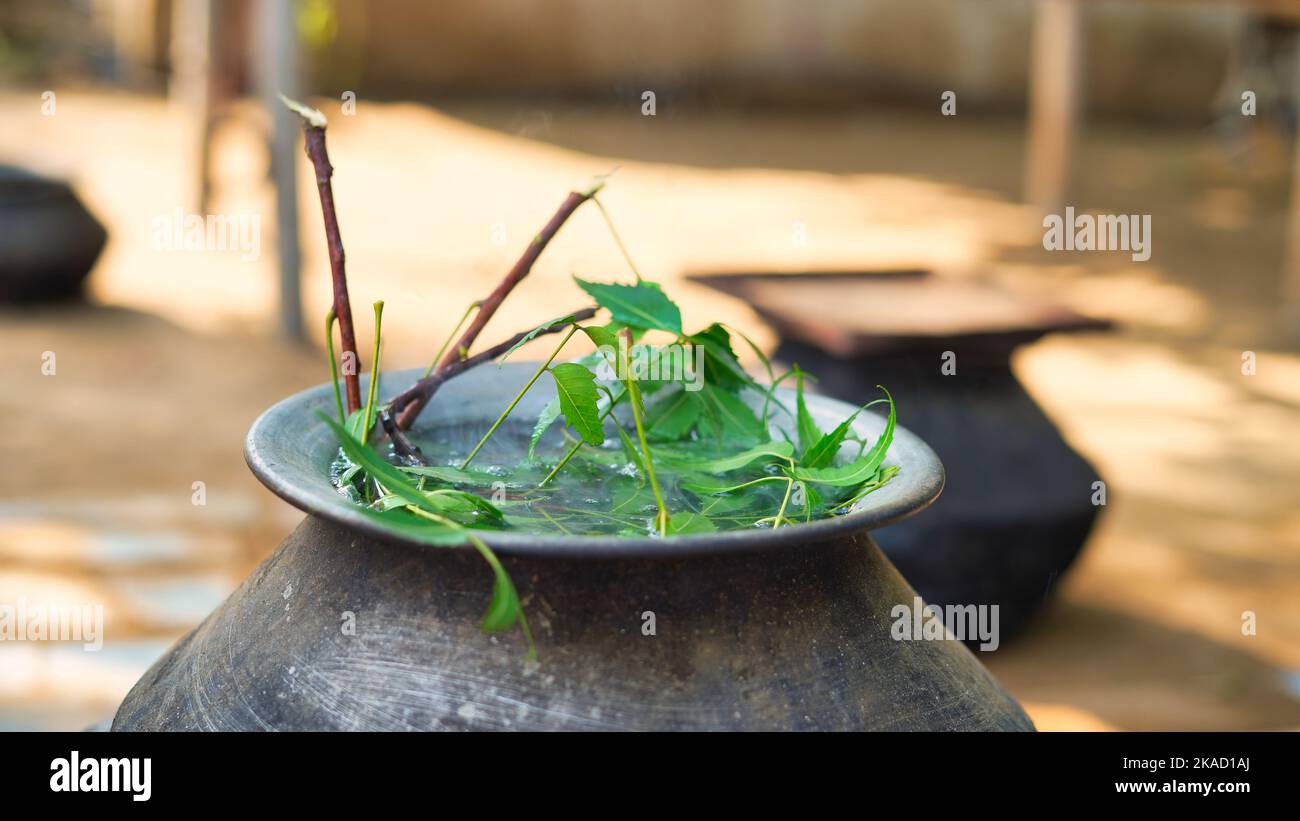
point(544, 421)
point(458, 503)
point(772, 451)
point(758, 352)
point(504, 609)
point(576, 387)
point(822, 454)
point(379, 470)
point(671, 418)
point(885, 474)
point(860, 470)
point(531, 335)
point(721, 366)
point(643, 305)
point(601, 336)
point(403, 522)
point(682, 524)
point(730, 416)
point(354, 422)
point(712, 486)
point(855, 473)
point(631, 496)
point(451, 475)
point(462, 508)
point(809, 433)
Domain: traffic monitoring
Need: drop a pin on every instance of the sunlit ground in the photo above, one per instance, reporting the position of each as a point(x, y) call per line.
point(155, 392)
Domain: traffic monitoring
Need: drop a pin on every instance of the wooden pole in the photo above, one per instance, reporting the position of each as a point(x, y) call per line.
point(1054, 80)
point(278, 74)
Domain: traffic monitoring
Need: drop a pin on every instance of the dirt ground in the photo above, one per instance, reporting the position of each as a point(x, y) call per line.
point(160, 373)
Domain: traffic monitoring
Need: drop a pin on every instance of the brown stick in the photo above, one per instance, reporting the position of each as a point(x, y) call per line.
point(315, 139)
point(404, 447)
point(493, 301)
point(422, 391)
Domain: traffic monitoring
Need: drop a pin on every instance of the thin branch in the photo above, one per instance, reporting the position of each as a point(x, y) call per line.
point(422, 391)
point(493, 301)
point(313, 128)
point(404, 447)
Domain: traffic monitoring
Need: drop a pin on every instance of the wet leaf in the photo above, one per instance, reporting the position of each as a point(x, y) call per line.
point(729, 416)
point(673, 417)
point(682, 524)
point(766, 452)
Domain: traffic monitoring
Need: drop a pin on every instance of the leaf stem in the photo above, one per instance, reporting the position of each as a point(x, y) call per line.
point(661, 519)
point(780, 514)
point(572, 330)
point(374, 376)
point(438, 356)
point(334, 367)
point(617, 239)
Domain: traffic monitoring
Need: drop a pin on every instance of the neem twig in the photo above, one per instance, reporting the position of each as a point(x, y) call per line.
point(404, 447)
point(493, 301)
point(423, 390)
point(313, 128)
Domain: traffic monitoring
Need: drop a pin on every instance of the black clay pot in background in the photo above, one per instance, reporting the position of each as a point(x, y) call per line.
point(48, 240)
point(345, 628)
point(1017, 506)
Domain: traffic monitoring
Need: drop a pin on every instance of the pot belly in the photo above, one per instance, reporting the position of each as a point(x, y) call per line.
point(339, 631)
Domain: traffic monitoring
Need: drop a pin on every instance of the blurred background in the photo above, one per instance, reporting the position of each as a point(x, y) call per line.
point(751, 136)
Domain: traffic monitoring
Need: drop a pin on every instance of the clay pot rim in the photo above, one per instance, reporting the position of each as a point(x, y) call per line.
point(288, 449)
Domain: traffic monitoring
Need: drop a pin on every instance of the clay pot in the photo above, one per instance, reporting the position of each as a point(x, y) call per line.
point(345, 627)
point(48, 240)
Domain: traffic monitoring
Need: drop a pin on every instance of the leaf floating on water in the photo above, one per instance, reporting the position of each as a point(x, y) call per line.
point(682, 524)
point(404, 523)
point(730, 417)
point(774, 451)
point(451, 475)
point(673, 417)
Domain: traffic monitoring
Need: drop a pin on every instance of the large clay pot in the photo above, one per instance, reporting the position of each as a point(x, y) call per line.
point(757, 630)
point(48, 240)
